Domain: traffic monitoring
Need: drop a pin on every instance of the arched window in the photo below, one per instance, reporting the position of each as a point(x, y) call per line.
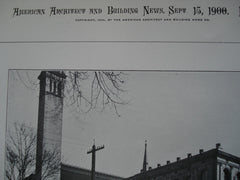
point(59, 88)
point(54, 87)
point(227, 174)
point(204, 175)
point(50, 86)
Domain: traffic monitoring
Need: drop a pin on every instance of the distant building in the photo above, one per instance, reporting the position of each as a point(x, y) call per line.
point(69, 172)
point(210, 165)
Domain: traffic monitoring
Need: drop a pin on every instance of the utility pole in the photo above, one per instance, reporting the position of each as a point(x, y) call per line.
point(93, 152)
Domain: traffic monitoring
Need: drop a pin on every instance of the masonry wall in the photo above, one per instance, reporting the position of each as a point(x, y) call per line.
point(199, 167)
point(52, 128)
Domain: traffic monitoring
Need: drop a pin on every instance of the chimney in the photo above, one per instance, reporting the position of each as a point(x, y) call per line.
point(168, 162)
point(178, 158)
point(158, 165)
point(189, 155)
point(201, 151)
point(218, 145)
point(149, 168)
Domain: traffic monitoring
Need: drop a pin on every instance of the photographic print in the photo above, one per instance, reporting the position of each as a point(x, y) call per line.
point(113, 90)
point(112, 125)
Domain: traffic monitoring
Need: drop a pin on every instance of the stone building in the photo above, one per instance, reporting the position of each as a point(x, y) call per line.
point(210, 165)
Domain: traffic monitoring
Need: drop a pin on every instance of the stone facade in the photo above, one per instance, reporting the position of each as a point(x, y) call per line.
point(228, 167)
point(210, 165)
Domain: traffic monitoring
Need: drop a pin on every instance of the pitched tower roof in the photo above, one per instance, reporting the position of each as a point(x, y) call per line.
point(145, 163)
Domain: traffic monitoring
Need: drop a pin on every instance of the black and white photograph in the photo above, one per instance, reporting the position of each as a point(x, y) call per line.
point(112, 125)
point(119, 90)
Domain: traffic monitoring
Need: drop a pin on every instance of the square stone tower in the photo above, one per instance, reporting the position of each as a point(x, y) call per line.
point(49, 132)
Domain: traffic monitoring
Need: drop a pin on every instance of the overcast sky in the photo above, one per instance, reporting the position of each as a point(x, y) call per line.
point(176, 112)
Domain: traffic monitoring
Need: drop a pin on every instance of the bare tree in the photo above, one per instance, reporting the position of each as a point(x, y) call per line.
point(86, 90)
point(51, 163)
point(20, 149)
point(89, 89)
point(21, 155)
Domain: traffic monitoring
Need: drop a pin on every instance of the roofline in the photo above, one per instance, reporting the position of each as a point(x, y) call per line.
point(87, 170)
point(214, 153)
point(59, 73)
point(228, 156)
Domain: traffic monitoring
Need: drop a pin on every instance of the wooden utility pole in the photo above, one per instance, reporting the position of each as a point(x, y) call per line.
point(93, 152)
